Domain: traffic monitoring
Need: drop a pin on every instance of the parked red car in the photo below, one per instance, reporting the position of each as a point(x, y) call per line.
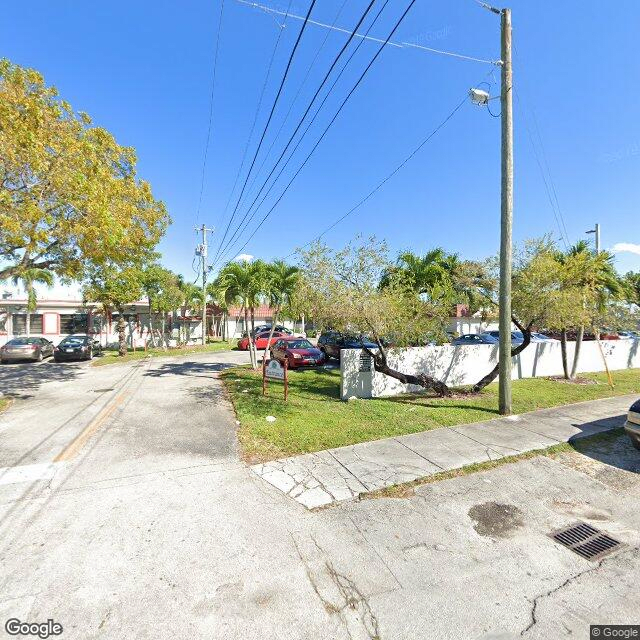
point(298, 352)
point(261, 340)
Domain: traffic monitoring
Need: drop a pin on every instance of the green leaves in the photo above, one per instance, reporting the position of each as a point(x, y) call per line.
point(69, 194)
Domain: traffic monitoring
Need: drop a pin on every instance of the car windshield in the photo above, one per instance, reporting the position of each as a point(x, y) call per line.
point(19, 341)
point(73, 341)
point(299, 344)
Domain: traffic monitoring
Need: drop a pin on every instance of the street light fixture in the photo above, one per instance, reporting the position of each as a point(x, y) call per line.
point(596, 230)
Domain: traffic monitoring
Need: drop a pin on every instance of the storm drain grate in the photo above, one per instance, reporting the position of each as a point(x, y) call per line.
point(586, 541)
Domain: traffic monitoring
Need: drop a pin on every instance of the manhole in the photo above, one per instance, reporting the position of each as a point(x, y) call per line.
point(101, 390)
point(586, 541)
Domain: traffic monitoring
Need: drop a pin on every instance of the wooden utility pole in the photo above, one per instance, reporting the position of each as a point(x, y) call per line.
point(506, 216)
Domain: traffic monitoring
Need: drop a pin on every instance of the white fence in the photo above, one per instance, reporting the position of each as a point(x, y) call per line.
point(464, 365)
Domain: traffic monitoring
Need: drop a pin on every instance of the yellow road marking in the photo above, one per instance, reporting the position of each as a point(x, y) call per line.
point(72, 449)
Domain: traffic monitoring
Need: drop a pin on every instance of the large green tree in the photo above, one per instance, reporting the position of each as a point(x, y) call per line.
point(69, 193)
point(113, 288)
point(164, 294)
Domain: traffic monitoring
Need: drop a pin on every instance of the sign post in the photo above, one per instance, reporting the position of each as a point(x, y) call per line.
point(275, 371)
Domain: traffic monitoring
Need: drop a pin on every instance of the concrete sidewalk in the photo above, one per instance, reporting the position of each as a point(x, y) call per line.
point(317, 479)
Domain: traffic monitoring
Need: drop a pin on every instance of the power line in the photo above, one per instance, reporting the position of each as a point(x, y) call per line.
point(273, 108)
point(304, 115)
point(255, 117)
point(295, 98)
point(211, 102)
point(387, 178)
point(364, 73)
point(398, 45)
point(549, 184)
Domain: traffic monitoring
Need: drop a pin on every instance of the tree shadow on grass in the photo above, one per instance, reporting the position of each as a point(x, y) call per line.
point(419, 401)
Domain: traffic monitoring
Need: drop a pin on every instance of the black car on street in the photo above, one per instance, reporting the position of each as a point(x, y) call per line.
point(77, 348)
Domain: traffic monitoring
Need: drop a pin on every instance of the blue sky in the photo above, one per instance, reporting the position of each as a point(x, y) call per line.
point(143, 70)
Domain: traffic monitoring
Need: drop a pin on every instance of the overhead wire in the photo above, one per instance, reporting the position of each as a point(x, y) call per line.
point(211, 104)
point(255, 116)
point(387, 178)
point(273, 108)
point(295, 98)
point(398, 45)
point(301, 120)
point(344, 102)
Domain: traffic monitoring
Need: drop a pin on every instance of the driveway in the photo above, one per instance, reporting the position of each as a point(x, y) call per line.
point(126, 513)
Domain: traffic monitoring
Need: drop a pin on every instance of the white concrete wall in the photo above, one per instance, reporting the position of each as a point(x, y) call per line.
point(466, 364)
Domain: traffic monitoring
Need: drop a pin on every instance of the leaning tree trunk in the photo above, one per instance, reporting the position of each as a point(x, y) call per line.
point(420, 380)
point(122, 338)
point(252, 344)
point(274, 321)
point(576, 353)
point(254, 364)
point(563, 351)
point(493, 374)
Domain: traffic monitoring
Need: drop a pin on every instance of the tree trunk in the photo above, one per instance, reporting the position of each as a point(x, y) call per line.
point(252, 344)
point(420, 380)
point(153, 338)
point(163, 337)
point(122, 338)
point(563, 351)
point(246, 324)
point(303, 331)
point(28, 324)
point(274, 321)
point(493, 374)
point(576, 353)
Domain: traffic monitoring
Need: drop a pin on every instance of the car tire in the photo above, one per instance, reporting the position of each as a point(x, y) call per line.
point(635, 442)
point(40, 357)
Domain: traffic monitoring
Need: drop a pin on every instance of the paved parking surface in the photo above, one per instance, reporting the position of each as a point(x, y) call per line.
point(126, 513)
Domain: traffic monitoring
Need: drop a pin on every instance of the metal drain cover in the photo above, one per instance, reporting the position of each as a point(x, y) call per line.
point(586, 541)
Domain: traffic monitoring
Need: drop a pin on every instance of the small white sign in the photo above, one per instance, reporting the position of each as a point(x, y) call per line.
point(274, 370)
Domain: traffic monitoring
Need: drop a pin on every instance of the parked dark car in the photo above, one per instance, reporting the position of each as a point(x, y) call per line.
point(298, 352)
point(23, 348)
point(77, 348)
point(331, 342)
point(632, 425)
point(474, 338)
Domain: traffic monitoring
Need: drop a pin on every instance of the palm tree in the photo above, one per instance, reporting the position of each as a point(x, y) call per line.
point(595, 276)
point(238, 283)
point(28, 277)
point(426, 275)
point(281, 280)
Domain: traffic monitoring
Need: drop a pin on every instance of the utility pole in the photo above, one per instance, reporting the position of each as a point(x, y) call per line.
point(202, 252)
point(506, 216)
point(481, 98)
point(596, 230)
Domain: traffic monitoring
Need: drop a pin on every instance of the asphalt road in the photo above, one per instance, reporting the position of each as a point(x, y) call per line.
point(125, 512)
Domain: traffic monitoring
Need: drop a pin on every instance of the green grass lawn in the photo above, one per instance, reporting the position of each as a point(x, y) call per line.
point(315, 418)
point(112, 357)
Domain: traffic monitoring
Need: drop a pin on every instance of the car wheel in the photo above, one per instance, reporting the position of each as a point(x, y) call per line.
point(635, 442)
point(40, 357)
